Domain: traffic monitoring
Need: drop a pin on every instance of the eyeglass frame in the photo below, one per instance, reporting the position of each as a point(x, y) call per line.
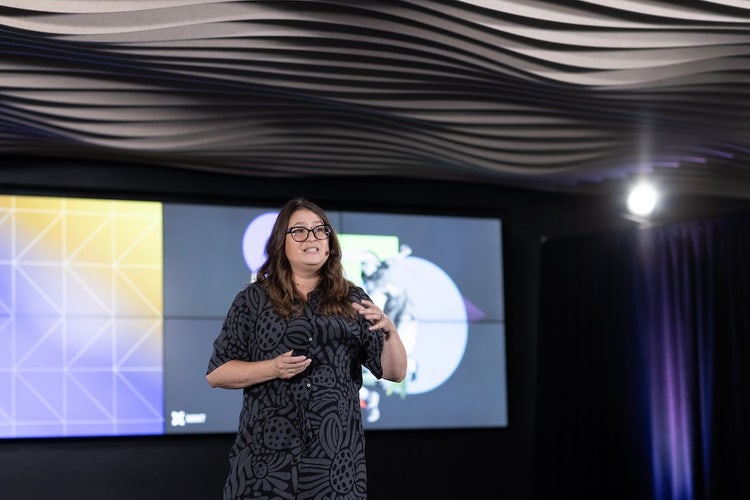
point(327, 228)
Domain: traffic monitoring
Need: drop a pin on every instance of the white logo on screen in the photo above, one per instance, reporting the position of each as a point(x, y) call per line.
point(182, 418)
point(178, 419)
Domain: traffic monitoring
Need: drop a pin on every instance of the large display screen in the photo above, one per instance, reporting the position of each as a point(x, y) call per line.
point(109, 308)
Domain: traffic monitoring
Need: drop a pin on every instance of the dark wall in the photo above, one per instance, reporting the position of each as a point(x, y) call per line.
point(475, 463)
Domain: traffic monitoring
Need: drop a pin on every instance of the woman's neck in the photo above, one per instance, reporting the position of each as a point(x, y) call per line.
point(305, 284)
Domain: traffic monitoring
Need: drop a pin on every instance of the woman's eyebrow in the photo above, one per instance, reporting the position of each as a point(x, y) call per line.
point(303, 223)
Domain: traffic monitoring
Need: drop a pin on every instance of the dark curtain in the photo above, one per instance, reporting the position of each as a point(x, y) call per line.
point(644, 364)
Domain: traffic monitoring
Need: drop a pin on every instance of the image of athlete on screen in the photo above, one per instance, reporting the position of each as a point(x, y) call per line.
point(383, 285)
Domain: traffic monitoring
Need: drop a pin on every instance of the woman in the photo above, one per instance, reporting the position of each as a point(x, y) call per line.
point(295, 341)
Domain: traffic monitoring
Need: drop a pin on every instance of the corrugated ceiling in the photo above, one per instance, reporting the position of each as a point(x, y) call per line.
point(562, 96)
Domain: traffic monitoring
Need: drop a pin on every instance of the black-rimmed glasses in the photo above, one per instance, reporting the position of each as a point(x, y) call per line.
point(300, 233)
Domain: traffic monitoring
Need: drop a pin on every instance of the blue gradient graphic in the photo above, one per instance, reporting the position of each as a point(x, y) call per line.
point(80, 317)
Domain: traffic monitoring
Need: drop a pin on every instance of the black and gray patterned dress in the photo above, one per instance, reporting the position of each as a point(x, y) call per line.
point(301, 437)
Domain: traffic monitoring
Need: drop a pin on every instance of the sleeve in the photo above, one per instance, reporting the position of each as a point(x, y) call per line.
point(233, 339)
point(372, 340)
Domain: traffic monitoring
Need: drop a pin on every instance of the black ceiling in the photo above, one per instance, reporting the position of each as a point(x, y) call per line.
point(578, 97)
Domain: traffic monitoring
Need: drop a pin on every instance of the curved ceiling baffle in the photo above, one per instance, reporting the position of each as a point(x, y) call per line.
point(573, 98)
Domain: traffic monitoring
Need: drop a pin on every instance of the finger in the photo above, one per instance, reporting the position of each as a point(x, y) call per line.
point(367, 303)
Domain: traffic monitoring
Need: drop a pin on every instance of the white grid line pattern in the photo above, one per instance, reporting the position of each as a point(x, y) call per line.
point(81, 321)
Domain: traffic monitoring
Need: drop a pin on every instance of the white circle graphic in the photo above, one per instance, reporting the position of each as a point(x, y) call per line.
point(442, 326)
point(255, 238)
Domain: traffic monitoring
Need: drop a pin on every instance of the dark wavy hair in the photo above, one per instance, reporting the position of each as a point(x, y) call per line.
point(275, 274)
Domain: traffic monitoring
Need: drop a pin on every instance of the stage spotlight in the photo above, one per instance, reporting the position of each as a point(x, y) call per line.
point(642, 199)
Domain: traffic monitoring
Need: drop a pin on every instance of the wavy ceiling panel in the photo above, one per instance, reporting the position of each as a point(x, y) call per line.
point(572, 96)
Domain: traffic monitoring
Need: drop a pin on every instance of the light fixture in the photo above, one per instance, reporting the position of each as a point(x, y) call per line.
point(642, 199)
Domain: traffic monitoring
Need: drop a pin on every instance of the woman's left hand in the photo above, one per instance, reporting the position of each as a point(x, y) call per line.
point(374, 315)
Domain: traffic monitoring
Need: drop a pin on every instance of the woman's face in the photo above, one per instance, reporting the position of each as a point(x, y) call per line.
point(310, 254)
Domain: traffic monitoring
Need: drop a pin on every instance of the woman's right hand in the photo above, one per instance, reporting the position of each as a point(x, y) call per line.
point(288, 365)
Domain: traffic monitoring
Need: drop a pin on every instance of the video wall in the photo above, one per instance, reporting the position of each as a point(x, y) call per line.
point(109, 308)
